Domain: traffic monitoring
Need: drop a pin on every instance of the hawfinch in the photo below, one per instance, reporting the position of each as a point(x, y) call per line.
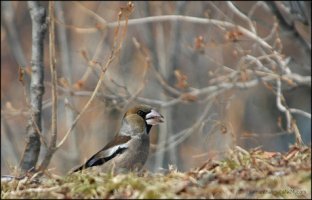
point(128, 150)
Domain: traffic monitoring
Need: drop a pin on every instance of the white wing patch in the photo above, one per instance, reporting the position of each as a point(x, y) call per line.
point(108, 153)
point(113, 149)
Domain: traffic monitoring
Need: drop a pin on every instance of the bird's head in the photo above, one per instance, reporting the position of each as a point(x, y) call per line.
point(147, 113)
point(141, 116)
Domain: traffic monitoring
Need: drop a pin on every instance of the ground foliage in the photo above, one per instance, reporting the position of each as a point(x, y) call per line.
point(242, 174)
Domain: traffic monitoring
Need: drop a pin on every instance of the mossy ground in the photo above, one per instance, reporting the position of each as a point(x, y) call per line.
point(243, 174)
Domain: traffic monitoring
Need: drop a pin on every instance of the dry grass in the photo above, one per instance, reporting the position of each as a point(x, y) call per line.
point(243, 174)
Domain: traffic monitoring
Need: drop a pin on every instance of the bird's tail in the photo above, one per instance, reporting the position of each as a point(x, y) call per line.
point(77, 169)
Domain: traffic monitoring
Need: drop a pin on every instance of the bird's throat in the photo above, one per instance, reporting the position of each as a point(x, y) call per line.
point(148, 128)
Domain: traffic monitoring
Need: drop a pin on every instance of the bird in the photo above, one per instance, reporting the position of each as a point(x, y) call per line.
point(129, 149)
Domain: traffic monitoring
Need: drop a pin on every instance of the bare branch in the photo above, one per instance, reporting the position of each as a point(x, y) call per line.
point(189, 19)
point(300, 112)
point(291, 126)
point(31, 153)
point(255, 6)
point(241, 15)
point(51, 147)
point(177, 138)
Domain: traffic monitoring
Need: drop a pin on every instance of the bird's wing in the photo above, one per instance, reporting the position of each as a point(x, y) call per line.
point(116, 146)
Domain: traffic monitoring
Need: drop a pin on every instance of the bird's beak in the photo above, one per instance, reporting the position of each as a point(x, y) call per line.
point(154, 118)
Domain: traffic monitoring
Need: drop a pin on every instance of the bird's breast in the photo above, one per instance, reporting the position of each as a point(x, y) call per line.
point(136, 154)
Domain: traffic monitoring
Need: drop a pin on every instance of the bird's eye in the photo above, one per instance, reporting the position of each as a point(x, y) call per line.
point(141, 113)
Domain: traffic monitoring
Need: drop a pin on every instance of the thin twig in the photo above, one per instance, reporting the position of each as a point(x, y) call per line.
point(115, 50)
point(255, 6)
point(97, 87)
point(184, 134)
point(90, 12)
point(145, 68)
point(67, 70)
point(241, 15)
